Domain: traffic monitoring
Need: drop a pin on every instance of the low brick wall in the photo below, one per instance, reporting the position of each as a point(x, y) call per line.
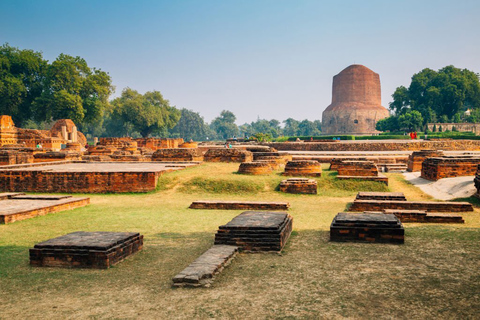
point(357, 168)
point(255, 168)
point(380, 178)
point(384, 145)
point(429, 206)
point(449, 167)
point(57, 156)
point(416, 159)
point(15, 157)
point(420, 216)
point(178, 154)
point(299, 185)
point(239, 205)
point(383, 196)
point(78, 182)
point(228, 155)
point(308, 168)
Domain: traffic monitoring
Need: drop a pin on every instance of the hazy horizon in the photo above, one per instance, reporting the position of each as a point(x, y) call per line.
point(258, 59)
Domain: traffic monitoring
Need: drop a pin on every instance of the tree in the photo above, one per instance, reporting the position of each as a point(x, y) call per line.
point(191, 126)
point(388, 124)
point(22, 73)
point(148, 114)
point(291, 127)
point(73, 90)
point(411, 121)
point(308, 128)
point(224, 125)
point(441, 93)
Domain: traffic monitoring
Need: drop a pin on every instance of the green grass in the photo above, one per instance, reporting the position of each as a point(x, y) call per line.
point(433, 275)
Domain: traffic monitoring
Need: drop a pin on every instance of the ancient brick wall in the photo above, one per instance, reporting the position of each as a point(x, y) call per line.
point(178, 154)
point(56, 156)
point(77, 182)
point(449, 167)
point(429, 206)
point(299, 185)
point(395, 145)
point(357, 168)
point(416, 159)
point(228, 155)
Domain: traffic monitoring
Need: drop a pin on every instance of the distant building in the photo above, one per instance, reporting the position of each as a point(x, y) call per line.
point(356, 103)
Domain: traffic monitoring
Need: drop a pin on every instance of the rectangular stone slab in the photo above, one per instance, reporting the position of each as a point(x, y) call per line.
point(19, 207)
point(396, 196)
point(429, 206)
point(202, 271)
point(86, 249)
point(239, 205)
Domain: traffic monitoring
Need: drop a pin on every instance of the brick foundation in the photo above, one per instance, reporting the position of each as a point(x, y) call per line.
point(255, 168)
point(383, 196)
point(178, 154)
point(228, 155)
point(374, 205)
point(240, 205)
point(449, 167)
point(415, 160)
point(308, 168)
point(357, 168)
point(299, 185)
point(98, 250)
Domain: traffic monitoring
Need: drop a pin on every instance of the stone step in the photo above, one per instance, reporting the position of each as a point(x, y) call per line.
point(202, 271)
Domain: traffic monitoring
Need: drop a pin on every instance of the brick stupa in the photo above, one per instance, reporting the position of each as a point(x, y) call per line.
point(356, 102)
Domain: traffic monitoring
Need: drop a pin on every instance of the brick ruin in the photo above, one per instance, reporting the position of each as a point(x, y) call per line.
point(239, 205)
point(428, 206)
point(358, 170)
point(249, 232)
point(18, 206)
point(367, 227)
point(449, 167)
point(228, 155)
point(255, 168)
point(97, 250)
point(476, 181)
point(178, 154)
point(308, 168)
point(299, 185)
point(84, 177)
point(416, 159)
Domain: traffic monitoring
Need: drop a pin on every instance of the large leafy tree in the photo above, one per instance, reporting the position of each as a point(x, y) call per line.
point(224, 125)
point(22, 74)
point(192, 126)
point(436, 93)
point(148, 114)
point(73, 90)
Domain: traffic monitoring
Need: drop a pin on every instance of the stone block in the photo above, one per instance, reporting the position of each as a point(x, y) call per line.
point(367, 227)
point(299, 185)
point(255, 231)
point(98, 250)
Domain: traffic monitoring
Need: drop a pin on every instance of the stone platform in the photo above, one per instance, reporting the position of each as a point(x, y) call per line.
point(299, 185)
point(98, 250)
point(380, 178)
point(428, 206)
point(239, 205)
point(202, 271)
point(424, 216)
point(18, 206)
point(363, 227)
point(390, 196)
point(85, 177)
point(256, 231)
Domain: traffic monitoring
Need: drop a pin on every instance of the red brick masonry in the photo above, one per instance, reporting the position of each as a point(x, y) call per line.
point(239, 205)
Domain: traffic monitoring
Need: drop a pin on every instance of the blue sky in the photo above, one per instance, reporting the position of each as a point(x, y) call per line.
point(260, 58)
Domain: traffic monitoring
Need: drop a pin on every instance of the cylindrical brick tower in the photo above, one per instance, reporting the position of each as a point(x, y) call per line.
point(356, 102)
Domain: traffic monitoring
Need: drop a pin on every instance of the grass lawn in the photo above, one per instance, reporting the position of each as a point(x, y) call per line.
point(435, 274)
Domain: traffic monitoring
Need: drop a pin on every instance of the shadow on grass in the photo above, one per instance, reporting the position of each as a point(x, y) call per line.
point(473, 200)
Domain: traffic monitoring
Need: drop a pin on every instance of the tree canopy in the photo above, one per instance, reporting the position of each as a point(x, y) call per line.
point(147, 114)
point(224, 125)
point(439, 96)
point(192, 126)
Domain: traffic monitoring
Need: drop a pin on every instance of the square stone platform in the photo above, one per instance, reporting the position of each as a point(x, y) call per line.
point(98, 250)
point(367, 227)
point(18, 206)
point(85, 177)
point(256, 231)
